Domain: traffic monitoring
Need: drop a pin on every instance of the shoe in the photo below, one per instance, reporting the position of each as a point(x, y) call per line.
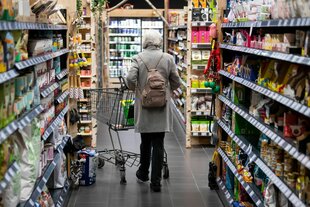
point(141, 178)
point(155, 187)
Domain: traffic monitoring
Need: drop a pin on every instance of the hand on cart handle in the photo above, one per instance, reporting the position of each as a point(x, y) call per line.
point(123, 83)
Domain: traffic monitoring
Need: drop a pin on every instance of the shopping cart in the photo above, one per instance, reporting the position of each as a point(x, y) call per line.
point(115, 107)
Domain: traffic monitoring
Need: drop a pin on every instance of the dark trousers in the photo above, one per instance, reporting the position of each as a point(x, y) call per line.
point(152, 145)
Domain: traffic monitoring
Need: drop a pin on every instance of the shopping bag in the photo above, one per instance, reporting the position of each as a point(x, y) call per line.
point(212, 172)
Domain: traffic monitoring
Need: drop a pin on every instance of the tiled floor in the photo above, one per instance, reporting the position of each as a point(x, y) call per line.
point(186, 187)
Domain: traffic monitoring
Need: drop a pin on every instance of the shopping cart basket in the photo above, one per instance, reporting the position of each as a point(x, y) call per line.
point(115, 107)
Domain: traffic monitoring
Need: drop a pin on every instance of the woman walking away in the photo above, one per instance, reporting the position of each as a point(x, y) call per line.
point(153, 76)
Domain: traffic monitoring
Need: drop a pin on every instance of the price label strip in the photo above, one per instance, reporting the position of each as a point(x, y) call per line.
point(10, 173)
point(246, 186)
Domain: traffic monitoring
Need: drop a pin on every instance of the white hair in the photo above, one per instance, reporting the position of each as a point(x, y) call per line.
point(152, 38)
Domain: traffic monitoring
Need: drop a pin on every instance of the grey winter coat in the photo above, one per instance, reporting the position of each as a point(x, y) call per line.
point(157, 119)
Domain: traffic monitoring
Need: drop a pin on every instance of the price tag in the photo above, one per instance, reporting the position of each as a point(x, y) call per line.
point(278, 139)
point(300, 157)
point(281, 143)
point(195, 134)
point(274, 136)
point(305, 160)
point(287, 147)
point(292, 151)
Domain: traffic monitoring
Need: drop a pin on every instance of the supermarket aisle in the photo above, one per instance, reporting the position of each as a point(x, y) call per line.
point(187, 185)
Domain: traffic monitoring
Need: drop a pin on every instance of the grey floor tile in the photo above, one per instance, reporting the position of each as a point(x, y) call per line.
point(186, 187)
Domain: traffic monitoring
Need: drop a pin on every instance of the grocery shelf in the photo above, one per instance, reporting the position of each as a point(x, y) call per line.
point(248, 188)
point(124, 27)
point(295, 22)
point(55, 123)
point(254, 157)
point(84, 110)
point(223, 188)
point(50, 89)
point(20, 123)
point(62, 97)
point(86, 41)
point(83, 100)
point(179, 114)
point(60, 200)
point(292, 104)
point(85, 88)
point(277, 137)
point(201, 23)
point(8, 176)
point(120, 58)
point(8, 75)
point(198, 67)
point(122, 50)
point(201, 113)
point(62, 74)
point(28, 117)
point(39, 59)
point(201, 45)
point(84, 28)
point(85, 122)
point(183, 65)
point(201, 90)
point(269, 54)
point(180, 68)
point(201, 134)
point(84, 134)
point(123, 35)
point(8, 130)
point(173, 39)
point(177, 27)
point(181, 102)
point(173, 52)
point(47, 173)
point(183, 82)
point(133, 43)
point(11, 25)
point(152, 27)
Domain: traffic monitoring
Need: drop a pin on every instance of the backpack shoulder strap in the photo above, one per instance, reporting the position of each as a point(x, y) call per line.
point(156, 64)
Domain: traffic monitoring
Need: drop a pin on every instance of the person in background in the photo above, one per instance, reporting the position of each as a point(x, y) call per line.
point(152, 123)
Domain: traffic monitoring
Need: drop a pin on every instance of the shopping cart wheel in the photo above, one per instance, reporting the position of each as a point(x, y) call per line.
point(165, 171)
point(101, 163)
point(123, 177)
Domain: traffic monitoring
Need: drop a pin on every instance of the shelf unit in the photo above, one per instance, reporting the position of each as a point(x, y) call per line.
point(254, 156)
point(257, 199)
point(46, 175)
point(89, 79)
point(224, 191)
point(36, 108)
point(195, 45)
point(240, 112)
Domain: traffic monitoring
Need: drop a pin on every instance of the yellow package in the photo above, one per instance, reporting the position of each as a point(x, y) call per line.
point(203, 3)
point(195, 3)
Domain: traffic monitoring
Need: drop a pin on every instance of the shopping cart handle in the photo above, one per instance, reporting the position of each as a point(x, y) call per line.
point(123, 83)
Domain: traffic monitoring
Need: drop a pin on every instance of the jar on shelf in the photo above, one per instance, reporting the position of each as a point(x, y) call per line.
point(87, 36)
